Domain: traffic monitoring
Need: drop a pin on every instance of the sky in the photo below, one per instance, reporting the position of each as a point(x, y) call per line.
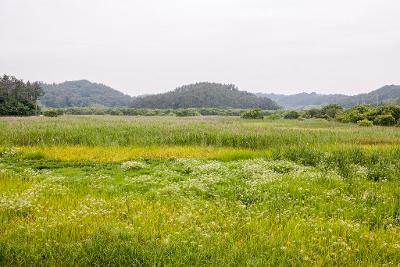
point(153, 46)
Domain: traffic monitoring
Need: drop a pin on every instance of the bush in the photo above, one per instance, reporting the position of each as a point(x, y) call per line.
point(252, 114)
point(332, 110)
point(365, 123)
point(390, 110)
point(51, 113)
point(313, 113)
point(292, 115)
point(384, 120)
point(186, 113)
point(385, 115)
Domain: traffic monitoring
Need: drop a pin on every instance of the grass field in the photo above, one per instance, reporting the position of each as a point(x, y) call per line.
point(103, 190)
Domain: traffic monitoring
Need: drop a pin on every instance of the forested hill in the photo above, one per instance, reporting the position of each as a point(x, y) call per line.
point(204, 94)
point(82, 93)
point(388, 93)
point(305, 99)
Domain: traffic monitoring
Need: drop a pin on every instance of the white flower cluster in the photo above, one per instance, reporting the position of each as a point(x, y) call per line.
point(133, 165)
point(16, 204)
point(90, 207)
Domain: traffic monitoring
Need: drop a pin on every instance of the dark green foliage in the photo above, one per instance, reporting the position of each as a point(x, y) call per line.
point(354, 114)
point(51, 113)
point(314, 113)
point(384, 120)
point(186, 113)
point(14, 107)
point(18, 98)
point(219, 112)
point(204, 95)
point(390, 109)
point(154, 112)
point(332, 110)
point(385, 115)
point(252, 114)
point(82, 94)
point(292, 115)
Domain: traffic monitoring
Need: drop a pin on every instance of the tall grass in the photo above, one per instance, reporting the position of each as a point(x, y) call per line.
point(102, 190)
point(193, 212)
point(215, 131)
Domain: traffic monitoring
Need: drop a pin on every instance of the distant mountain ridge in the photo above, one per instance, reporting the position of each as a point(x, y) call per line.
point(386, 93)
point(82, 93)
point(204, 95)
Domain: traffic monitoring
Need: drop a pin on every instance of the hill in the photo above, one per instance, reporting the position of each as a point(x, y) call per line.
point(305, 99)
point(388, 93)
point(82, 93)
point(205, 94)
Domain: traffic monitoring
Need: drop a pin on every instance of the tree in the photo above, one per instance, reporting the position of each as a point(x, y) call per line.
point(332, 110)
point(252, 114)
point(292, 115)
point(18, 98)
point(205, 95)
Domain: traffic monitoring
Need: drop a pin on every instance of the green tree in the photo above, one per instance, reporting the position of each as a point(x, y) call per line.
point(18, 98)
point(332, 110)
point(292, 115)
point(252, 114)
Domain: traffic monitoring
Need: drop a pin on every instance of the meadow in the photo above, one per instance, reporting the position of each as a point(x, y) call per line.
point(221, 191)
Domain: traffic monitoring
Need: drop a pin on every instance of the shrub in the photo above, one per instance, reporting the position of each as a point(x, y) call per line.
point(365, 123)
point(385, 120)
point(51, 113)
point(115, 112)
point(313, 113)
point(385, 115)
point(390, 110)
point(186, 113)
point(252, 114)
point(292, 115)
point(332, 110)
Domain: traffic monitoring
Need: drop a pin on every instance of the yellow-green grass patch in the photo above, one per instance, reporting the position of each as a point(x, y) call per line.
point(121, 153)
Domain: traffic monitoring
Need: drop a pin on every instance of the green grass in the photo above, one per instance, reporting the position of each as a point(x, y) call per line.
point(140, 191)
point(199, 131)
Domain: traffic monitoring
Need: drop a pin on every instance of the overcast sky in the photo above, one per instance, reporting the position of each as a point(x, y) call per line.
point(151, 46)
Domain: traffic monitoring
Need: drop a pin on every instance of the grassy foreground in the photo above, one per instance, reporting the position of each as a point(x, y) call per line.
point(140, 191)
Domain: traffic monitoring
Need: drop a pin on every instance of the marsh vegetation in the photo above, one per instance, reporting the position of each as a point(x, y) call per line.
point(107, 190)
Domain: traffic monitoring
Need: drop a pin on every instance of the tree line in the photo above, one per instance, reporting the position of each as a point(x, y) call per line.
point(18, 98)
point(363, 115)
